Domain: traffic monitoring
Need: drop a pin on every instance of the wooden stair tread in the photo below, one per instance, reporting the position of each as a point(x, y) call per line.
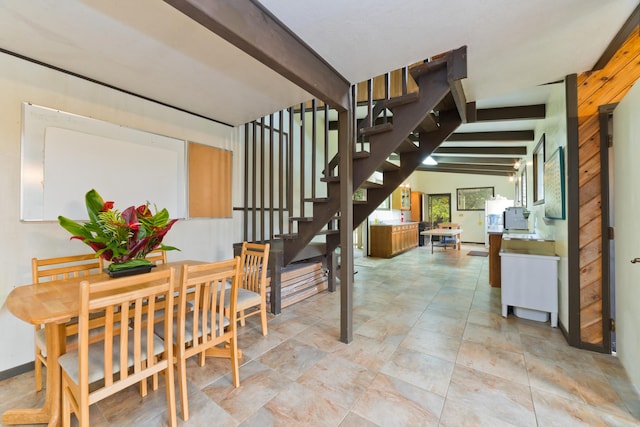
point(406, 146)
point(385, 127)
point(429, 124)
point(301, 218)
point(402, 100)
point(325, 232)
point(371, 184)
point(428, 67)
point(387, 166)
point(286, 236)
point(330, 179)
point(361, 154)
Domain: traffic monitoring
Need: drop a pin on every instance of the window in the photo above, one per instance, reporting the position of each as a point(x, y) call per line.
point(538, 172)
point(472, 199)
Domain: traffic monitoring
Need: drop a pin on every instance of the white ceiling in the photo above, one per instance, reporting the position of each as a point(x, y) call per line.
point(148, 48)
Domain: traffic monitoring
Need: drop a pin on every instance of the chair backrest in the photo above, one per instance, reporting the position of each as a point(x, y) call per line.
point(65, 267)
point(254, 261)
point(202, 299)
point(126, 301)
point(157, 256)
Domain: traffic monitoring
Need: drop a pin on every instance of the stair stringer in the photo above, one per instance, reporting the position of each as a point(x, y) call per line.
point(434, 83)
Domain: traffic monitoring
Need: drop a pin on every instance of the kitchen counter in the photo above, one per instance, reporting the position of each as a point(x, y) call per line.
point(390, 239)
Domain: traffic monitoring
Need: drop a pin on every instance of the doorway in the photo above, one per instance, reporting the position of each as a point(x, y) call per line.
point(438, 209)
point(608, 244)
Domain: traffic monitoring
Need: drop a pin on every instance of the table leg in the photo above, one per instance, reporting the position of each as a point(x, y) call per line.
point(50, 413)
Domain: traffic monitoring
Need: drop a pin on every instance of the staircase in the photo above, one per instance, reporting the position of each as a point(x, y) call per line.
point(420, 123)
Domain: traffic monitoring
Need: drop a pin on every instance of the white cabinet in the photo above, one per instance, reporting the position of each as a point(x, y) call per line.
point(529, 284)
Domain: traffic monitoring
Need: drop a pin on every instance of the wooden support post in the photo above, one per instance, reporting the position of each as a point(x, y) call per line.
point(345, 150)
point(332, 265)
point(275, 268)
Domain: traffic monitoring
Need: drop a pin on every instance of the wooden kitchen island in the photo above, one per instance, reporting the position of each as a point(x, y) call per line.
point(389, 240)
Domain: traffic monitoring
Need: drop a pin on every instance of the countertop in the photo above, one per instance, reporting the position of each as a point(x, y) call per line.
point(527, 244)
point(390, 223)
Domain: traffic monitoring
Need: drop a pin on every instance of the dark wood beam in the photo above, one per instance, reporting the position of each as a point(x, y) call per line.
point(510, 135)
point(465, 171)
point(627, 28)
point(253, 29)
point(476, 160)
point(511, 151)
point(456, 71)
point(523, 112)
point(468, 167)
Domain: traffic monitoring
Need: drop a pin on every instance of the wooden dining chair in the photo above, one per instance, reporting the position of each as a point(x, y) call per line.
point(157, 256)
point(49, 269)
point(252, 293)
point(456, 240)
point(126, 355)
point(201, 325)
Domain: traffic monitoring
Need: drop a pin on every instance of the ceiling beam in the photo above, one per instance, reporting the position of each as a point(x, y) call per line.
point(523, 112)
point(473, 167)
point(476, 160)
point(491, 151)
point(251, 28)
point(438, 168)
point(509, 135)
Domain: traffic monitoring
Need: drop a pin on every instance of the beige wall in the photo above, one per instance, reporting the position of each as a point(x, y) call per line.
point(21, 81)
point(554, 128)
point(440, 182)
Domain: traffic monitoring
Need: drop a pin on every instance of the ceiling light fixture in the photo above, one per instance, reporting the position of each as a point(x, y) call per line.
point(430, 161)
point(516, 165)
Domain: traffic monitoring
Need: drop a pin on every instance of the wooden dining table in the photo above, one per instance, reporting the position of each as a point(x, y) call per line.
point(54, 304)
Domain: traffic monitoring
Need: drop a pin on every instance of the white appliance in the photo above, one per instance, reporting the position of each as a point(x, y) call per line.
point(516, 219)
point(494, 217)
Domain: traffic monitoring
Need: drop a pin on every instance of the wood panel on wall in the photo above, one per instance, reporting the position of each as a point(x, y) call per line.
point(210, 187)
point(595, 89)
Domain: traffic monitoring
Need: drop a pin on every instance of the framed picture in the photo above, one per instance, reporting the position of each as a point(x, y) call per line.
point(554, 186)
point(538, 172)
point(472, 199)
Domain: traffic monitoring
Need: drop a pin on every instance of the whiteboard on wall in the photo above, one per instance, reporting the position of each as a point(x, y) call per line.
point(65, 155)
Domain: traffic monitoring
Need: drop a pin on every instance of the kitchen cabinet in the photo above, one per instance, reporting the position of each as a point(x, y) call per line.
point(495, 240)
point(401, 198)
point(388, 240)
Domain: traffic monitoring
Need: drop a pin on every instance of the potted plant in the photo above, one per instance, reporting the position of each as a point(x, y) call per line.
point(122, 238)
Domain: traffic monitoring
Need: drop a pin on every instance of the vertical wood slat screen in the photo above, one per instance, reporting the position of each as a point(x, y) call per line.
point(210, 188)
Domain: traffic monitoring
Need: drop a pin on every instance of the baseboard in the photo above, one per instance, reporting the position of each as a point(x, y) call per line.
point(9, 373)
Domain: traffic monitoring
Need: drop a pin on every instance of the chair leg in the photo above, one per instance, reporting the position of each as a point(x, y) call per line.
point(182, 380)
point(38, 370)
point(241, 317)
point(263, 318)
point(154, 382)
point(171, 394)
point(235, 368)
point(66, 409)
point(143, 387)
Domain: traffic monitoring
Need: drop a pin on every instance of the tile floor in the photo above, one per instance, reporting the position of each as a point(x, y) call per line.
point(429, 349)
